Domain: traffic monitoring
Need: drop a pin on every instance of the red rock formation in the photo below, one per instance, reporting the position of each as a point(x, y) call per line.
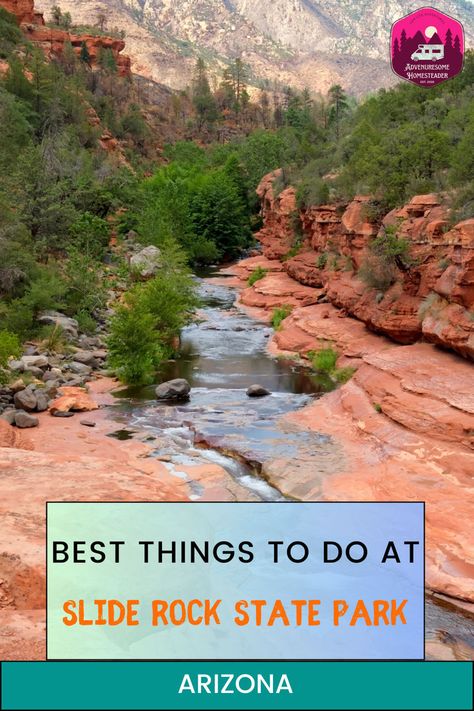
point(432, 295)
point(73, 399)
point(52, 39)
point(23, 10)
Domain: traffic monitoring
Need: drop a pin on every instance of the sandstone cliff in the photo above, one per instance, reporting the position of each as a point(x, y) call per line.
point(432, 295)
point(52, 39)
point(404, 423)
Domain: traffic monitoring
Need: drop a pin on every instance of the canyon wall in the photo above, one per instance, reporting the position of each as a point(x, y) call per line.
point(432, 294)
point(403, 424)
point(53, 39)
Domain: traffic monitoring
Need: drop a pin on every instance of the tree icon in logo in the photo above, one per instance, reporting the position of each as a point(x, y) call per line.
point(427, 47)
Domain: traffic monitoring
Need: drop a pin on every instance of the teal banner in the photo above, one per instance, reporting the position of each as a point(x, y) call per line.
point(236, 685)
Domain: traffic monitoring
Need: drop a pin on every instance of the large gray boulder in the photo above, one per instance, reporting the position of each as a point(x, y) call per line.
point(25, 400)
point(8, 416)
point(79, 368)
point(147, 262)
point(177, 389)
point(24, 419)
point(87, 358)
point(54, 318)
point(42, 400)
point(34, 361)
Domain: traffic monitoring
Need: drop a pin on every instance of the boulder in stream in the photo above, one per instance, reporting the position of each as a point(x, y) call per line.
point(257, 391)
point(177, 389)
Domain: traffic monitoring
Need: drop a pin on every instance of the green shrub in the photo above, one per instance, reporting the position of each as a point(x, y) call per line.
point(322, 260)
point(87, 324)
point(143, 328)
point(324, 360)
point(377, 407)
point(280, 314)
point(85, 291)
point(10, 347)
point(46, 291)
point(374, 211)
point(257, 274)
point(291, 253)
point(134, 351)
point(53, 339)
point(342, 375)
point(10, 34)
point(386, 252)
point(90, 235)
point(312, 191)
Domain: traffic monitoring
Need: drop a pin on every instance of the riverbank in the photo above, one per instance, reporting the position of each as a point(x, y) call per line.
point(62, 459)
point(403, 423)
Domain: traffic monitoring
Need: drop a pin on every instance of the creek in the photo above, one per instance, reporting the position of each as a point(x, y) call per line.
point(222, 354)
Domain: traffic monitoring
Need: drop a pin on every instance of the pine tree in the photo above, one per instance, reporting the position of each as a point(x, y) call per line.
point(203, 100)
point(84, 55)
point(235, 79)
point(338, 105)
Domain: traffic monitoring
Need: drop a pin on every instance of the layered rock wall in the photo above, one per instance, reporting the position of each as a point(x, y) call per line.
point(53, 39)
point(432, 294)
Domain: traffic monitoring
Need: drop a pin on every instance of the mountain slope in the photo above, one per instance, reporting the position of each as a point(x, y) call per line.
point(298, 42)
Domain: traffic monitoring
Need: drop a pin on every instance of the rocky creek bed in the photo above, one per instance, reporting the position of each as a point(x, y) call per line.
point(250, 438)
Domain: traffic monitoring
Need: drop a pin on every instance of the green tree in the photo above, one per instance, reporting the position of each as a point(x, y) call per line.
point(84, 55)
point(338, 106)
point(235, 84)
point(203, 100)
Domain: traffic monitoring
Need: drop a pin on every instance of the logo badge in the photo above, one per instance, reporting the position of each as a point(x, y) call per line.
point(427, 47)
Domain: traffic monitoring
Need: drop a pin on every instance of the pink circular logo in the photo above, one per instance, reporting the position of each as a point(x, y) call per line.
point(427, 47)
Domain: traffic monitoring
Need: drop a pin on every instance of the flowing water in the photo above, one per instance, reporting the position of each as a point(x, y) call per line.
point(221, 355)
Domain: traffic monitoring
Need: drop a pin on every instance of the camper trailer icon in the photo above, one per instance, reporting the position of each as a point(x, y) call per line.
point(428, 52)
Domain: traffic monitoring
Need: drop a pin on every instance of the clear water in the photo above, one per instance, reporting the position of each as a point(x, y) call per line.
point(221, 355)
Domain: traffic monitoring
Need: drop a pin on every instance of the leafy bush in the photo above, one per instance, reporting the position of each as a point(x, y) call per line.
point(10, 34)
point(134, 351)
point(322, 260)
point(312, 191)
point(46, 291)
point(85, 292)
point(291, 253)
point(53, 339)
point(324, 360)
point(144, 327)
point(257, 274)
point(343, 375)
point(386, 252)
point(10, 347)
point(87, 324)
point(280, 314)
point(90, 235)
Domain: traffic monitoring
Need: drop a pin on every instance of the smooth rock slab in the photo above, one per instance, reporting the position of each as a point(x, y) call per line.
point(177, 389)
